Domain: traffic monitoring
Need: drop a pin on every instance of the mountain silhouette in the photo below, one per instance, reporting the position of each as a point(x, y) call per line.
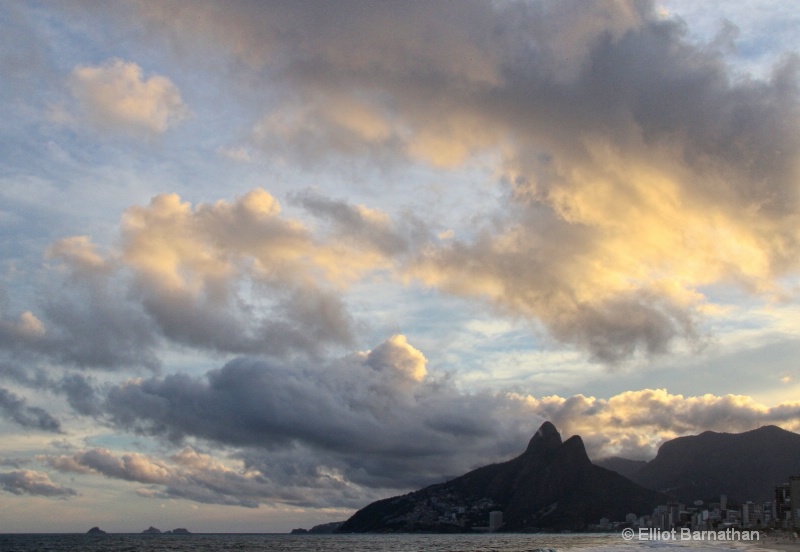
point(551, 486)
point(743, 466)
point(622, 466)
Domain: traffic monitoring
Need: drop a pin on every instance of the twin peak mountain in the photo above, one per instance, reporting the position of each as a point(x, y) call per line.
point(554, 486)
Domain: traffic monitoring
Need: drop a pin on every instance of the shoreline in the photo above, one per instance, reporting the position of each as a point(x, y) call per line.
point(779, 542)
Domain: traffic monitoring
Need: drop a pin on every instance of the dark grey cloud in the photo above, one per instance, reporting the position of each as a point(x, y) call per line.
point(300, 319)
point(343, 432)
point(24, 374)
point(617, 329)
point(365, 226)
point(33, 483)
point(81, 393)
point(84, 317)
point(103, 329)
point(15, 408)
point(375, 420)
point(197, 476)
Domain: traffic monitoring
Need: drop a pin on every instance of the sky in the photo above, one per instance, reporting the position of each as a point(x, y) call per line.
point(262, 263)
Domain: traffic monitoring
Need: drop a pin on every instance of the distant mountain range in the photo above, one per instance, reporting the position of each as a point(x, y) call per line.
point(554, 486)
point(551, 486)
point(743, 466)
point(622, 466)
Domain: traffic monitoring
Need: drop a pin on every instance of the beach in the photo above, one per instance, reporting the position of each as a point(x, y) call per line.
point(779, 541)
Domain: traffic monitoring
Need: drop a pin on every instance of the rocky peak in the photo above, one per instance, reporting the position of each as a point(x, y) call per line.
point(571, 456)
point(546, 438)
point(552, 485)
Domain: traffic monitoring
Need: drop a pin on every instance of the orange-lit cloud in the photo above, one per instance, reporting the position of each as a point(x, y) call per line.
point(637, 172)
point(188, 474)
point(635, 423)
point(116, 95)
point(398, 354)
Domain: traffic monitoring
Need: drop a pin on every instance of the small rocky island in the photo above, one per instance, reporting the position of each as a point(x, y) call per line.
point(322, 529)
point(149, 531)
point(155, 531)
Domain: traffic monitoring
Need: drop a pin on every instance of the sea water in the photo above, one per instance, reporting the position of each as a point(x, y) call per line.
point(352, 543)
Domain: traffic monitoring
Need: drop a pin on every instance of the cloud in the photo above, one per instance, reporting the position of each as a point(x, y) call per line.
point(399, 356)
point(369, 411)
point(638, 168)
point(341, 432)
point(238, 154)
point(233, 277)
point(346, 431)
point(81, 394)
point(116, 96)
point(362, 230)
point(84, 318)
point(131, 467)
point(634, 423)
point(189, 267)
point(15, 408)
point(33, 483)
point(521, 274)
point(27, 329)
point(376, 419)
point(189, 475)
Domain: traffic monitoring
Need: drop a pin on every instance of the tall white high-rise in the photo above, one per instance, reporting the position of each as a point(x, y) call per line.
point(495, 520)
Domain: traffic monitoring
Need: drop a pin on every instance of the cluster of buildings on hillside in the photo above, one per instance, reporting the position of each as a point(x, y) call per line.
point(786, 514)
point(779, 513)
point(443, 511)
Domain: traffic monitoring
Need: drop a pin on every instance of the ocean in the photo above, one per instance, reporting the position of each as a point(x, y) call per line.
point(351, 543)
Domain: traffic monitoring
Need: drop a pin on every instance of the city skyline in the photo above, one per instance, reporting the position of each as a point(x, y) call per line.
point(264, 263)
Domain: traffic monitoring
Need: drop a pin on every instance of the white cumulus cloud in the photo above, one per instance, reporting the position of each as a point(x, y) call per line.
point(117, 96)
